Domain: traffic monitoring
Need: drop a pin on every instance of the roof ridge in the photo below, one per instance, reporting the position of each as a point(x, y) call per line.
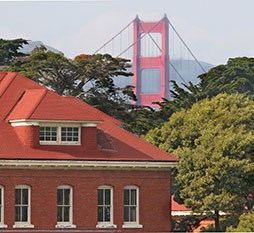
point(6, 81)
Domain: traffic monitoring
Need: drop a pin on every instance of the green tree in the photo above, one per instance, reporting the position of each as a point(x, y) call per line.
point(234, 77)
point(214, 141)
point(9, 49)
point(245, 224)
point(89, 77)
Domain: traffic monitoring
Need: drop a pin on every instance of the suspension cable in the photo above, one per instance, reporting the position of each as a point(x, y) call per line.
point(104, 45)
point(135, 42)
point(174, 68)
point(186, 46)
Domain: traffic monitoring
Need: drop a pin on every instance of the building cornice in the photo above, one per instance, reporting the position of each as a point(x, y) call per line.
point(35, 122)
point(87, 165)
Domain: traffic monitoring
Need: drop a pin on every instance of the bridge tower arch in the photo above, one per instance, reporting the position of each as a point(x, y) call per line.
point(151, 72)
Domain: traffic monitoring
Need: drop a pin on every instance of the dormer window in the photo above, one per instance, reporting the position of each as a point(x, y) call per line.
point(48, 134)
point(60, 135)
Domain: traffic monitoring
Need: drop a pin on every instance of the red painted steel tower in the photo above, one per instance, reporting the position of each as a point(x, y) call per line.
point(151, 71)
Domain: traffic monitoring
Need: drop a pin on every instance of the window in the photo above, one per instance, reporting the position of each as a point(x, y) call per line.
point(22, 206)
point(64, 207)
point(59, 135)
point(105, 206)
point(69, 134)
point(2, 207)
point(131, 207)
point(48, 134)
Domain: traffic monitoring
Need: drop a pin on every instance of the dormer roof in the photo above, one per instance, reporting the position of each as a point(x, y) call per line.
point(23, 99)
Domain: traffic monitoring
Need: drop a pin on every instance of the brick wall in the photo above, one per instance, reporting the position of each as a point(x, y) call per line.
point(28, 135)
point(154, 188)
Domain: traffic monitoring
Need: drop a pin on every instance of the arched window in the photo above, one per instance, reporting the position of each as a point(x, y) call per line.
point(105, 207)
point(65, 207)
point(23, 206)
point(131, 207)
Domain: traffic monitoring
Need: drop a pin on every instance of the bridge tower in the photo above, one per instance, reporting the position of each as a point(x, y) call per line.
point(151, 71)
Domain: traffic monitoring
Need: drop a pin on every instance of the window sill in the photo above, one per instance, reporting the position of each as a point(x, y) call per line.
point(106, 225)
point(3, 225)
point(65, 225)
point(23, 225)
point(134, 225)
point(59, 144)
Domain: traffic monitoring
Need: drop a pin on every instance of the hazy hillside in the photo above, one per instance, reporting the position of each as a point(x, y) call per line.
point(33, 44)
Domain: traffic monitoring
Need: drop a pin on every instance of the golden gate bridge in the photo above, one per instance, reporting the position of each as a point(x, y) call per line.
point(157, 52)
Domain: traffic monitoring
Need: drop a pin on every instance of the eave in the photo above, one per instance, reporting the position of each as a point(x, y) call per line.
point(87, 165)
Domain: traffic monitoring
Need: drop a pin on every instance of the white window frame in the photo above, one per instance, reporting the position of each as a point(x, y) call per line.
point(59, 134)
point(24, 224)
point(2, 225)
point(68, 224)
point(133, 224)
point(106, 224)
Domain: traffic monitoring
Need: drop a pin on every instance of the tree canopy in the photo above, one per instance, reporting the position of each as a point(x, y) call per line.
point(89, 77)
point(245, 224)
point(214, 141)
point(9, 49)
point(234, 77)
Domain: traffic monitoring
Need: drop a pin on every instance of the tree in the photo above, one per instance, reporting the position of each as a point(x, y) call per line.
point(214, 141)
point(9, 49)
point(234, 77)
point(89, 77)
point(100, 70)
point(245, 224)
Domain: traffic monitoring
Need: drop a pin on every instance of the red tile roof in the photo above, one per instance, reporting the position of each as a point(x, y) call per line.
point(178, 207)
point(21, 98)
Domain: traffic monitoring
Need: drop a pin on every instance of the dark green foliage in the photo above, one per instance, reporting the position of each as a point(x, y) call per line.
point(9, 49)
point(237, 76)
point(89, 77)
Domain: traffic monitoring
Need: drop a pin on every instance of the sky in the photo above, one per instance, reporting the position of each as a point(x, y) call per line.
point(214, 30)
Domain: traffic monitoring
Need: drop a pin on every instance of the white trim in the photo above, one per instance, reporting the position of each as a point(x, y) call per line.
point(106, 225)
point(23, 225)
point(68, 224)
point(83, 164)
point(133, 224)
point(16, 124)
point(181, 212)
point(62, 225)
point(26, 224)
point(59, 135)
point(109, 224)
point(33, 122)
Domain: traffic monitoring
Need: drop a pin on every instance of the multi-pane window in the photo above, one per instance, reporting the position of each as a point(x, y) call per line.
point(131, 204)
point(59, 135)
point(22, 204)
point(105, 208)
point(64, 204)
point(48, 134)
point(69, 134)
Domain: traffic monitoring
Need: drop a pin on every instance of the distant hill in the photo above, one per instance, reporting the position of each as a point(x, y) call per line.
point(33, 44)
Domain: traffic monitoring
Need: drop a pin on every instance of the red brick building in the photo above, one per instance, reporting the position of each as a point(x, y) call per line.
point(65, 166)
